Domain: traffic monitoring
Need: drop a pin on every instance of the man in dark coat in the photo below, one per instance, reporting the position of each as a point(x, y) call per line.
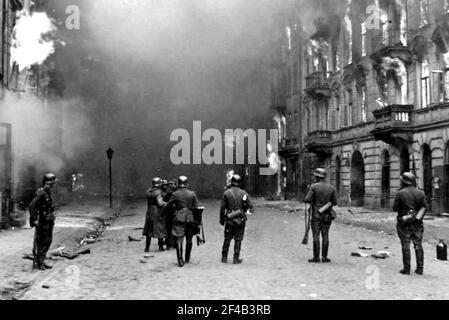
point(155, 221)
point(234, 204)
point(408, 202)
point(183, 202)
point(169, 214)
point(321, 194)
point(42, 218)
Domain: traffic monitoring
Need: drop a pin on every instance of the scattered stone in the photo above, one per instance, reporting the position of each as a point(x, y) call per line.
point(134, 239)
point(365, 248)
point(84, 251)
point(359, 254)
point(147, 256)
point(45, 286)
point(142, 260)
point(381, 255)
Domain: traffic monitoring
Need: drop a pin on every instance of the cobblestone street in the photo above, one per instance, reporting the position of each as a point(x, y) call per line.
point(275, 266)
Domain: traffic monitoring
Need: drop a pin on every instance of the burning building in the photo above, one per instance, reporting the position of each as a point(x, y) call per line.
point(365, 96)
point(30, 115)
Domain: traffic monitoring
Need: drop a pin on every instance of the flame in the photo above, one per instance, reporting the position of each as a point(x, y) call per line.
point(32, 43)
point(273, 158)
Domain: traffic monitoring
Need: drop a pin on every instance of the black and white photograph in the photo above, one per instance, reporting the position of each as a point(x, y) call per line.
point(224, 155)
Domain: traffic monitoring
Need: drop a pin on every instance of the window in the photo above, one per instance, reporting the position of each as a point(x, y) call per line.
point(425, 84)
point(363, 39)
point(350, 109)
point(363, 103)
point(289, 37)
point(348, 25)
point(423, 12)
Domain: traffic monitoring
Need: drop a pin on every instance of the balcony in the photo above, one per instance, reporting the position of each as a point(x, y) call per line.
point(317, 85)
point(391, 44)
point(289, 147)
point(394, 124)
point(319, 142)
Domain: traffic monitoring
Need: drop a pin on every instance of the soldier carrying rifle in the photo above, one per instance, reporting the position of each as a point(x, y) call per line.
point(322, 197)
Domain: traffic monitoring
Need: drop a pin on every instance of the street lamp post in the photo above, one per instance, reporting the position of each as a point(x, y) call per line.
point(110, 153)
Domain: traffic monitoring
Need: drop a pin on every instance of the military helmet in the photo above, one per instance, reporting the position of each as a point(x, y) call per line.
point(236, 180)
point(320, 173)
point(408, 178)
point(157, 182)
point(183, 181)
point(49, 177)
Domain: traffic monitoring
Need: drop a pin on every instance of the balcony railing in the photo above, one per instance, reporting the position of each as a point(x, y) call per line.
point(317, 84)
point(391, 43)
point(319, 142)
point(393, 122)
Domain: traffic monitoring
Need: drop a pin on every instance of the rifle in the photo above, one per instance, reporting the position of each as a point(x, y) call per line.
point(198, 213)
point(307, 217)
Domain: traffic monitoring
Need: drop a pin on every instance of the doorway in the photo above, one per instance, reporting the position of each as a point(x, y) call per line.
point(427, 174)
point(385, 197)
point(337, 174)
point(357, 179)
point(405, 161)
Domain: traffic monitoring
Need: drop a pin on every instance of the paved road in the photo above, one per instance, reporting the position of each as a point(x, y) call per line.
point(275, 266)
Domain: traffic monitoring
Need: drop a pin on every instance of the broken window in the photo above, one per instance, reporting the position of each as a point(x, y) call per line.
point(425, 84)
point(363, 103)
point(446, 6)
point(423, 12)
point(363, 39)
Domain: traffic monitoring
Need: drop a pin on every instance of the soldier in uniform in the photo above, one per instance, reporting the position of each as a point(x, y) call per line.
point(155, 221)
point(320, 194)
point(169, 216)
point(235, 202)
point(408, 202)
point(183, 202)
point(42, 218)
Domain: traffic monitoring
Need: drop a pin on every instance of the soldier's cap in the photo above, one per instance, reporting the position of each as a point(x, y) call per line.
point(183, 181)
point(320, 173)
point(408, 178)
point(50, 177)
point(157, 182)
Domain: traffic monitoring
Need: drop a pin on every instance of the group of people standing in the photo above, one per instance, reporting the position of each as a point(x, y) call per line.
point(409, 203)
point(174, 214)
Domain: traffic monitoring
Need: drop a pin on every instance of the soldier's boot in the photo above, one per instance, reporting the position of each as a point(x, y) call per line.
point(324, 253)
point(41, 263)
point(225, 251)
point(316, 252)
point(419, 261)
point(188, 251)
point(47, 266)
point(179, 254)
point(160, 242)
point(406, 259)
point(35, 263)
point(147, 244)
point(237, 248)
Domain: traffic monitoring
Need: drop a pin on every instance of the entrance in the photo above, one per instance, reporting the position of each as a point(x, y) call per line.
point(357, 179)
point(385, 198)
point(5, 173)
point(427, 174)
point(405, 161)
point(337, 174)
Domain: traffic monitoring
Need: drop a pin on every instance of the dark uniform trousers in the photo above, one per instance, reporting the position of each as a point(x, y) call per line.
point(410, 199)
point(41, 210)
point(233, 200)
point(183, 222)
point(411, 233)
point(322, 228)
point(321, 193)
point(235, 232)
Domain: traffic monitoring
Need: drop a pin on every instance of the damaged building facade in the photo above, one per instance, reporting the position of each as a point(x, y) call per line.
point(21, 168)
point(366, 96)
